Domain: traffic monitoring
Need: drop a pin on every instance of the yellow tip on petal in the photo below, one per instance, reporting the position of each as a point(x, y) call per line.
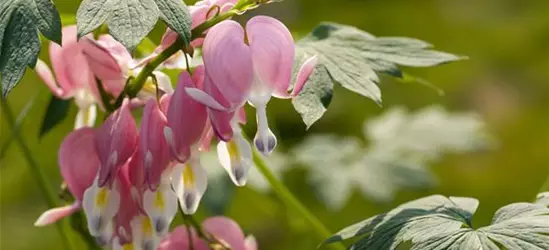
point(146, 226)
point(128, 247)
point(159, 201)
point(102, 197)
point(233, 150)
point(188, 176)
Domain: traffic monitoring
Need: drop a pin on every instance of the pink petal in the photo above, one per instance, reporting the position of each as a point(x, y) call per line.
point(273, 52)
point(117, 50)
point(221, 124)
point(250, 242)
point(186, 117)
point(165, 102)
point(69, 64)
point(55, 214)
point(154, 148)
point(78, 160)
point(178, 239)
point(130, 205)
point(303, 75)
point(116, 142)
point(220, 120)
point(168, 39)
point(102, 63)
point(228, 62)
point(198, 14)
point(227, 230)
point(45, 73)
point(136, 170)
point(206, 139)
point(241, 113)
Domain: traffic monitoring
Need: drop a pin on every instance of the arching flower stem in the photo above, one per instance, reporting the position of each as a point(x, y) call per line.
point(290, 200)
point(137, 84)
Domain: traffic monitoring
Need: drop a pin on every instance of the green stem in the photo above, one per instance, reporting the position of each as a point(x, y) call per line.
point(290, 200)
point(39, 175)
point(135, 86)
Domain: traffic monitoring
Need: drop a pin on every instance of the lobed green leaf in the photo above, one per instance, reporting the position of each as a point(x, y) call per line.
point(437, 222)
point(130, 21)
point(353, 58)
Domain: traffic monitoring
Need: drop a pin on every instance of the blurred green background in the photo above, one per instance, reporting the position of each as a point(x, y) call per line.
point(506, 80)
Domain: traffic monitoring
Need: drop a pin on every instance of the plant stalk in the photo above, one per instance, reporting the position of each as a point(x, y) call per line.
point(290, 200)
point(137, 84)
point(38, 174)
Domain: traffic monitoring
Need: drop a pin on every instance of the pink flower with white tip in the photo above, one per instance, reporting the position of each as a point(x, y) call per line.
point(221, 228)
point(73, 77)
point(115, 143)
point(111, 63)
point(185, 130)
point(79, 164)
point(252, 66)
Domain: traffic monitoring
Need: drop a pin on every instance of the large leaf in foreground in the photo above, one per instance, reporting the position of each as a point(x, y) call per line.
point(352, 57)
point(130, 21)
point(437, 222)
point(19, 41)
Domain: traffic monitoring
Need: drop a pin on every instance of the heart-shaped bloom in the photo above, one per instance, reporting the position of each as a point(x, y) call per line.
point(159, 199)
point(111, 63)
point(115, 143)
point(250, 65)
point(133, 229)
point(268, 58)
point(186, 129)
point(222, 228)
point(79, 164)
point(73, 77)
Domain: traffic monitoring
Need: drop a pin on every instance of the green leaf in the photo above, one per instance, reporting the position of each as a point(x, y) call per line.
point(437, 222)
point(353, 58)
point(316, 95)
point(20, 21)
point(55, 113)
point(130, 21)
point(401, 146)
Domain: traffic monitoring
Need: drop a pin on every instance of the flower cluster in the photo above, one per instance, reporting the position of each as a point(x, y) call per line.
point(129, 180)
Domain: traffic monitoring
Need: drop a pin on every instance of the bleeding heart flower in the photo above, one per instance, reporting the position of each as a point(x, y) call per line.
point(222, 228)
point(79, 164)
point(111, 63)
point(159, 199)
point(73, 77)
point(115, 143)
point(252, 66)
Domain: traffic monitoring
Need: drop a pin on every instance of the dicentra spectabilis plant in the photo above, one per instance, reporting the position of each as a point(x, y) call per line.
point(131, 172)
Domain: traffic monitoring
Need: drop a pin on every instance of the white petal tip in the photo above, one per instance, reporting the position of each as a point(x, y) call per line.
point(265, 143)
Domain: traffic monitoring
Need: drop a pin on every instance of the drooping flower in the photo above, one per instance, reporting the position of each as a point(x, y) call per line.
point(222, 228)
point(159, 200)
point(241, 66)
point(79, 164)
point(115, 142)
point(73, 77)
point(268, 50)
point(133, 229)
point(186, 126)
point(111, 63)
